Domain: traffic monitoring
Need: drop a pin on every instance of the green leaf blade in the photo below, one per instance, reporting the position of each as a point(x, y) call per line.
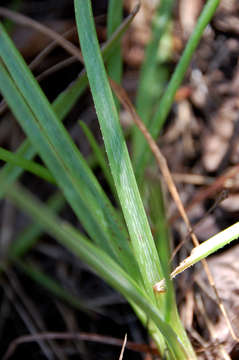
point(166, 102)
point(116, 149)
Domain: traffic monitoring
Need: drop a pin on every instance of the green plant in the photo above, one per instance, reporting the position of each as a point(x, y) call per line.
point(132, 267)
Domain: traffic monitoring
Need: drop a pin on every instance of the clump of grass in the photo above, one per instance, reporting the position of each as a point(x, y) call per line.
point(132, 267)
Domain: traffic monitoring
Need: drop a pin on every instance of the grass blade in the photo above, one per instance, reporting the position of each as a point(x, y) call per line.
point(114, 64)
point(154, 73)
point(99, 155)
point(9, 173)
point(208, 247)
point(168, 97)
point(121, 168)
point(25, 164)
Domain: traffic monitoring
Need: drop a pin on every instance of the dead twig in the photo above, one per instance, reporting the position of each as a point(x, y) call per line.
point(26, 21)
point(77, 336)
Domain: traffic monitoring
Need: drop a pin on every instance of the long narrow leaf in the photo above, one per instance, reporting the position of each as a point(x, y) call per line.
point(10, 172)
point(153, 74)
point(25, 164)
point(114, 18)
point(208, 247)
point(100, 155)
point(167, 100)
point(132, 207)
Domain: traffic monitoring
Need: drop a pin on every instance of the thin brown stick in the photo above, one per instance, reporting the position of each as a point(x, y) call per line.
point(77, 336)
point(194, 179)
point(53, 44)
point(54, 68)
point(26, 21)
